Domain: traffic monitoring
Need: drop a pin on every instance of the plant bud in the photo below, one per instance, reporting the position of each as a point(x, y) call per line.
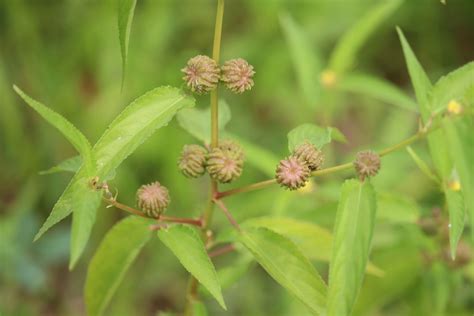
point(225, 162)
point(292, 173)
point(201, 74)
point(237, 75)
point(367, 164)
point(311, 155)
point(153, 199)
point(192, 161)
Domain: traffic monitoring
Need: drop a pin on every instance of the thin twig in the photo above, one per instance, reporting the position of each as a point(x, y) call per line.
point(227, 214)
point(221, 251)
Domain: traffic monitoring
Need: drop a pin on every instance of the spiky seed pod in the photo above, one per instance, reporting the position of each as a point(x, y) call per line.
point(192, 161)
point(201, 74)
point(311, 155)
point(237, 75)
point(367, 164)
point(225, 162)
point(292, 173)
point(153, 199)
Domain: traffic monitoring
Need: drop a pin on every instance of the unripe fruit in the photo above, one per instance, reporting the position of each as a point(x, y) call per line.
point(292, 173)
point(201, 74)
point(237, 75)
point(311, 155)
point(192, 161)
point(367, 164)
point(153, 199)
point(225, 162)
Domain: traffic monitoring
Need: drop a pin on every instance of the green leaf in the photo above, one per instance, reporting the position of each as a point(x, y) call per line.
point(305, 59)
point(423, 89)
point(113, 258)
point(199, 309)
point(312, 133)
point(285, 263)
point(69, 165)
point(353, 231)
point(126, 9)
point(453, 86)
point(345, 53)
point(198, 122)
point(73, 135)
point(422, 165)
point(376, 88)
point(396, 208)
point(188, 247)
point(259, 157)
point(129, 130)
point(461, 143)
point(457, 214)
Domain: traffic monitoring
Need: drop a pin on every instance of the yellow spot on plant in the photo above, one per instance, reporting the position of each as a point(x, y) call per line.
point(454, 107)
point(328, 78)
point(454, 185)
point(308, 188)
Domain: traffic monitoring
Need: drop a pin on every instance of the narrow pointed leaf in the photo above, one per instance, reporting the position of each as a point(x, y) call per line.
point(457, 213)
point(422, 165)
point(305, 58)
point(72, 134)
point(111, 261)
point(379, 89)
point(285, 263)
point(126, 9)
point(345, 53)
point(69, 165)
point(188, 247)
point(130, 129)
point(353, 231)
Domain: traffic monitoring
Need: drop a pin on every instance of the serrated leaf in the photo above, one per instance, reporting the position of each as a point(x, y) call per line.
point(423, 88)
point(457, 213)
point(305, 59)
point(198, 122)
point(72, 134)
point(344, 54)
point(313, 240)
point(312, 133)
point(285, 263)
point(113, 258)
point(126, 9)
point(376, 88)
point(353, 231)
point(188, 247)
point(69, 165)
point(461, 143)
point(422, 165)
point(130, 129)
point(453, 86)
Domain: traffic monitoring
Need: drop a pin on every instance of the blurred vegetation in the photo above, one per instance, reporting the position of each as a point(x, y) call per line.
point(66, 54)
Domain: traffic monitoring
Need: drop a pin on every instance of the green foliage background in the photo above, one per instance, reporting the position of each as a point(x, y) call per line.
point(67, 55)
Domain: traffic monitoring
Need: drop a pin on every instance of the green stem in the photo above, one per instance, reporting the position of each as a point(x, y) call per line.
point(346, 166)
point(191, 292)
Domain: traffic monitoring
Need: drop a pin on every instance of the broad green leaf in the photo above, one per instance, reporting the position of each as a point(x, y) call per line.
point(312, 133)
point(73, 135)
point(457, 214)
point(129, 130)
point(260, 158)
point(396, 208)
point(461, 143)
point(423, 88)
point(113, 258)
point(126, 9)
point(198, 122)
point(422, 165)
point(453, 86)
point(285, 263)
point(376, 88)
point(345, 53)
point(188, 247)
point(69, 165)
point(313, 240)
point(353, 231)
point(305, 59)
